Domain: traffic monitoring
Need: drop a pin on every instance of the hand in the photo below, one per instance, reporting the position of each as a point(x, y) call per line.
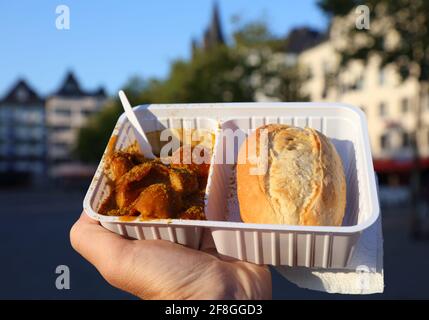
point(158, 269)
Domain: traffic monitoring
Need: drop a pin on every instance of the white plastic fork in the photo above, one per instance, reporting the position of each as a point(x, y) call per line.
point(132, 118)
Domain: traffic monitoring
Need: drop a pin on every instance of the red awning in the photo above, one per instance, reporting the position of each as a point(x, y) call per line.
point(391, 165)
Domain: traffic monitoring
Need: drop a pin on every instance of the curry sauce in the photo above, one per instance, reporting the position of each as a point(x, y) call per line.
point(147, 189)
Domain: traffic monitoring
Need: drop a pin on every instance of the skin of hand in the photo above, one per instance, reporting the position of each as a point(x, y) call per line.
point(158, 269)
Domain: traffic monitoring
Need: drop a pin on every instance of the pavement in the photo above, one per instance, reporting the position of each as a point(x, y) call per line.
point(34, 240)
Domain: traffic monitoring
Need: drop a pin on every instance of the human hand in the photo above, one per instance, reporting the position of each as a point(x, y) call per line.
point(158, 269)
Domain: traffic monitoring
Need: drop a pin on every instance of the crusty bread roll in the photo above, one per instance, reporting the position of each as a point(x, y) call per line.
point(304, 183)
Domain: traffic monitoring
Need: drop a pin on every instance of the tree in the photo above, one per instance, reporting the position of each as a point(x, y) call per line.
point(93, 137)
point(398, 35)
point(211, 76)
point(256, 34)
point(265, 65)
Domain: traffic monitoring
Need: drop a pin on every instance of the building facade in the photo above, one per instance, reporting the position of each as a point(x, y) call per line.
point(22, 132)
point(388, 102)
point(67, 110)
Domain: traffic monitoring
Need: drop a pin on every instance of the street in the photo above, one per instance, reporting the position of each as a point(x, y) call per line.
point(34, 240)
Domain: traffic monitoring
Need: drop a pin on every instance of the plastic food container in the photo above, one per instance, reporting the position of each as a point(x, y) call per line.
point(186, 232)
point(306, 246)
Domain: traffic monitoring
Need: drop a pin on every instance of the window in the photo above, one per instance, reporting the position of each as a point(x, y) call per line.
point(61, 145)
point(21, 95)
point(22, 133)
point(62, 128)
point(86, 113)
point(382, 77)
point(3, 166)
point(37, 167)
point(382, 109)
point(22, 166)
point(37, 133)
point(309, 72)
point(384, 141)
point(3, 149)
point(63, 112)
point(22, 149)
point(405, 105)
point(325, 90)
point(406, 140)
point(359, 83)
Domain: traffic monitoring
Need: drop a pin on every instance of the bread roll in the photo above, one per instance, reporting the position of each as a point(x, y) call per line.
point(304, 183)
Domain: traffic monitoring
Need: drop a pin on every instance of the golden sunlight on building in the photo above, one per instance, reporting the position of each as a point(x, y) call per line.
point(388, 102)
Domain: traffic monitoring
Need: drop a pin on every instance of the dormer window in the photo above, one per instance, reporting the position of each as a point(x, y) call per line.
point(382, 109)
point(405, 105)
point(384, 141)
point(21, 95)
point(406, 140)
point(70, 86)
point(382, 77)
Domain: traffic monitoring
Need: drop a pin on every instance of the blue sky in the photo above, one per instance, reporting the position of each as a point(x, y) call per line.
point(109, 41)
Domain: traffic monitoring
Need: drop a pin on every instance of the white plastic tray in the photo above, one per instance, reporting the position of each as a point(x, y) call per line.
point(321, 247)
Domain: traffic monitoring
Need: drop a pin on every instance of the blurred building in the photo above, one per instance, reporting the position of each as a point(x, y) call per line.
point(22, 134)
point(37, 135)
point(67, 110)
point(389, 103)
point(267, 86)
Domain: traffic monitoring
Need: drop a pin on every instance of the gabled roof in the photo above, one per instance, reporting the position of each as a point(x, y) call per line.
point(303, 38)
point(71, 88)
point(22, 93)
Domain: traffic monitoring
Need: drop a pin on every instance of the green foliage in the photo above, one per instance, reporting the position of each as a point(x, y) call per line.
point(408, 19)
point(92, 138)
point(205, 78)
point(257, 35)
